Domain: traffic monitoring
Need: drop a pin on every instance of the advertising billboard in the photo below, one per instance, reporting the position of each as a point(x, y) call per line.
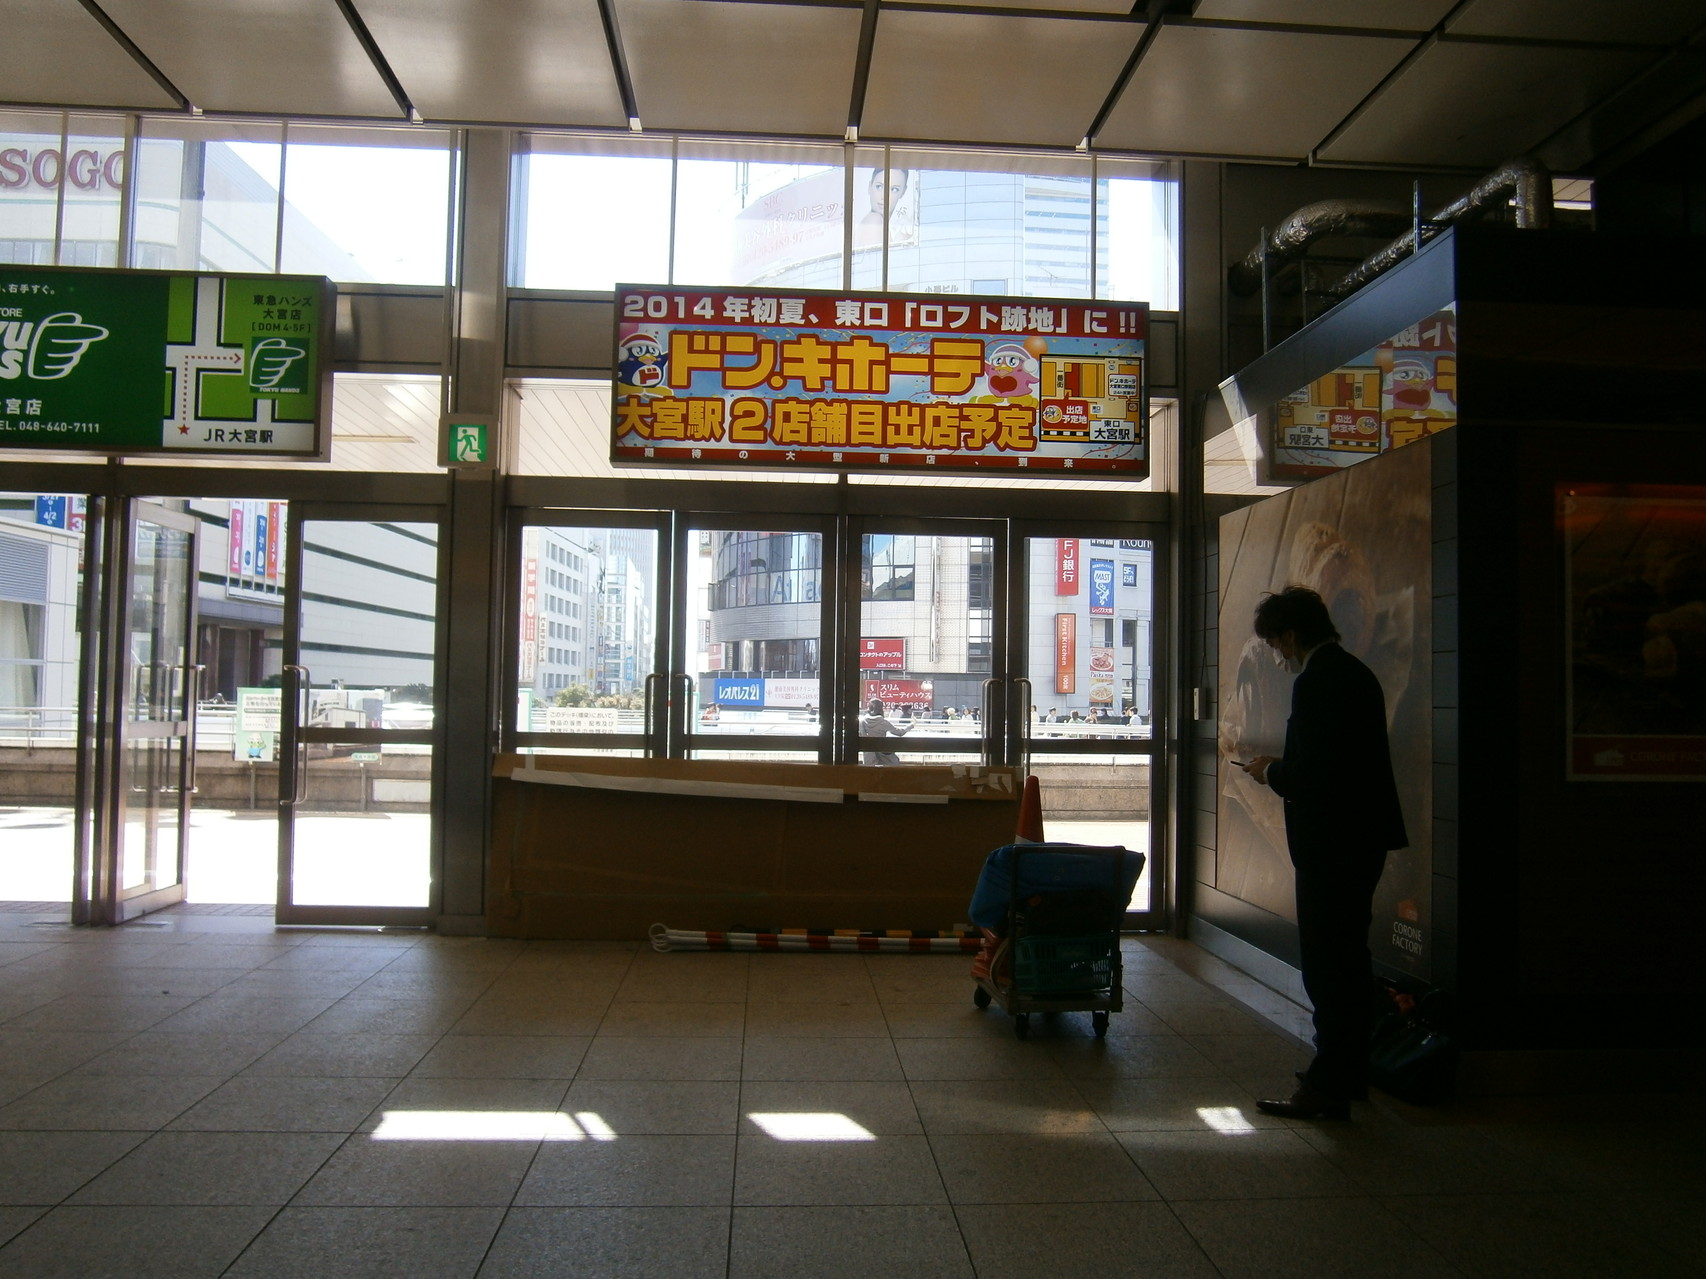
point(1635, 582)
point(1102, 588)
point(133, 362)
point(813, 380)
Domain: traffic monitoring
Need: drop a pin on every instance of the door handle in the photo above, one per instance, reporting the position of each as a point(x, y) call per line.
point(196, 672)
point(1023, 686)
point(992, 718)
point(297, 681)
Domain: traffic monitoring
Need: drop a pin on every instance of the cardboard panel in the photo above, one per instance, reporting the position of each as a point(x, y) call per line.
point(582, 862)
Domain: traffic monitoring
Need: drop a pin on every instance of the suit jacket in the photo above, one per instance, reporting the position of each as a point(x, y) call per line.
point(1336, 774)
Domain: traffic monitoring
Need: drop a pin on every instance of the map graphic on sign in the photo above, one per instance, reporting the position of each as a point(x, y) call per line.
point(130, 362)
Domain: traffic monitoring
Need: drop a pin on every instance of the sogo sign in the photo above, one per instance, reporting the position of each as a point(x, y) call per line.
point(87, 170)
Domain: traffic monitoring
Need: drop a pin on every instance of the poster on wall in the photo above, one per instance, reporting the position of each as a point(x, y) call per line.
point(1399, 392)
point(805, 380)
point(1635, 585)
point(1362, 538)
point(135, 362)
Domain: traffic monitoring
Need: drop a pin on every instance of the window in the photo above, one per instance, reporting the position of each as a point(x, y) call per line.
point(592, 212)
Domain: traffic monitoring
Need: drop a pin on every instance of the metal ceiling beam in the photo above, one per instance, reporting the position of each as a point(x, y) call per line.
point(140, 58)
point(619, 63)
point(862, 68)
point(370, 47)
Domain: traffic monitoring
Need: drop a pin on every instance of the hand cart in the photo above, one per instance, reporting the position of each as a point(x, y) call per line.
point(1058, 908)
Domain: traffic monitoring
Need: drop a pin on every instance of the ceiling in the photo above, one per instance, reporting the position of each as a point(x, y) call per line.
point(1400, 83)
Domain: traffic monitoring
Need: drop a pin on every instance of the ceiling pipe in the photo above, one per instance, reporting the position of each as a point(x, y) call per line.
point(1523, 180)
point(1290, 238)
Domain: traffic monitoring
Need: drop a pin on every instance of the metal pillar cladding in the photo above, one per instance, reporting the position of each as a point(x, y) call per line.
point(470, 602)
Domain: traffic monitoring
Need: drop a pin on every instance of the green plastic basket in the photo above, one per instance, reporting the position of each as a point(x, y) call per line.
point(1063, 964)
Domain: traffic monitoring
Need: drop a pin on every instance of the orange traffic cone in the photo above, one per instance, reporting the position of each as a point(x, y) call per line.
point(1030, 829)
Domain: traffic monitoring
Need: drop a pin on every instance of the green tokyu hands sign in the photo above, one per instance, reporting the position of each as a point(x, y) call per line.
point(157, 362)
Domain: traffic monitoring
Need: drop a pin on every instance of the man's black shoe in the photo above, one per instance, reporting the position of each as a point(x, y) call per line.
point(1302, 1077)
point(1305, 1104)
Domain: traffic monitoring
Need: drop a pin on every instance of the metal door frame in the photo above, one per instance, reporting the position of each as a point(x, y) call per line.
point(98, 896)
point(294, 738)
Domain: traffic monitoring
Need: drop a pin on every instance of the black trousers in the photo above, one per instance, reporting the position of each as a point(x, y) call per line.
point(1335, 903)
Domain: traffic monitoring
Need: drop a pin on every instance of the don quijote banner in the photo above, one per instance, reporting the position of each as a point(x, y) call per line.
point(818, 380)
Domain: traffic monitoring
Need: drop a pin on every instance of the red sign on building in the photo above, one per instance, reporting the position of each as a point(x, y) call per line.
point(882, 654)
point(1066, 566)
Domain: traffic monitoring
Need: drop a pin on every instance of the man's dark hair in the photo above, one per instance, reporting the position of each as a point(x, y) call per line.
point(1299, 610)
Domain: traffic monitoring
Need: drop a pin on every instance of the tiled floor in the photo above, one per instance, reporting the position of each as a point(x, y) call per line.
point(207, 1096)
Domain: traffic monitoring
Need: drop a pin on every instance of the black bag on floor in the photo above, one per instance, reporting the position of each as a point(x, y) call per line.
point(1409, 1055)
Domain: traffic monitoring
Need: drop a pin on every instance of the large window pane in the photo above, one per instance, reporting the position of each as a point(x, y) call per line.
point(1138, 220)
point(368, 204)
point(587, 630)
point(590, 216)
point(46, 158)
point(759, 214)
point(207, 196)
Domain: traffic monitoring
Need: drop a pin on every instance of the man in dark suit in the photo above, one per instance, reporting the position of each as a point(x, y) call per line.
point(1341, 818)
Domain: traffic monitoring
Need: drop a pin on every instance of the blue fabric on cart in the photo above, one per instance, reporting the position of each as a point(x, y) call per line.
point(1046, 868)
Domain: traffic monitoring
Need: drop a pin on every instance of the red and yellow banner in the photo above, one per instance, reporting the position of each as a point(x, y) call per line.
point(812, 380)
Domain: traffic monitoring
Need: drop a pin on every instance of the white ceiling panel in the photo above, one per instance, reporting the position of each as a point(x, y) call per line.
point(1651, 21)
point(1208, 91)
point(52, 51)
point(1024, 81)
point(740, 68)
point(287, 57)
point(1380, 15)
point(509, 60)
point(1478, 104)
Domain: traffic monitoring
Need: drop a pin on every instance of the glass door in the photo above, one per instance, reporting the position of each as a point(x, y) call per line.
point(358, 742)
point(589, 663)
point(1083, 712)
point(671, 634)
point(749, 646)
point(931, 642)
point(146, 707)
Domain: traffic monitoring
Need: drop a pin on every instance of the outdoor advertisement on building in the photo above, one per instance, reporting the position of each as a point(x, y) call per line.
point(254, 535)
point(1394, 394)
point(1102, 588)
point(1066, 566)
point(813, 380)
point(882, 654)
point(240, 363)
point(1066, 652)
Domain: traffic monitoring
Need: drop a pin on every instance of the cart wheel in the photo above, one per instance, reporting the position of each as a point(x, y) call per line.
point(1100, 1022)
point(980, 997)
point(1022, 1025)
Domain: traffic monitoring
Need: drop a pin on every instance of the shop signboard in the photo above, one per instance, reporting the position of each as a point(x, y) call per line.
point(1066, 566)
point(897, 692)
point(809, 380)
point(738, 692)
point(882, 654)
point(151, 362)
point(1066, 652)
point(1102, 588)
